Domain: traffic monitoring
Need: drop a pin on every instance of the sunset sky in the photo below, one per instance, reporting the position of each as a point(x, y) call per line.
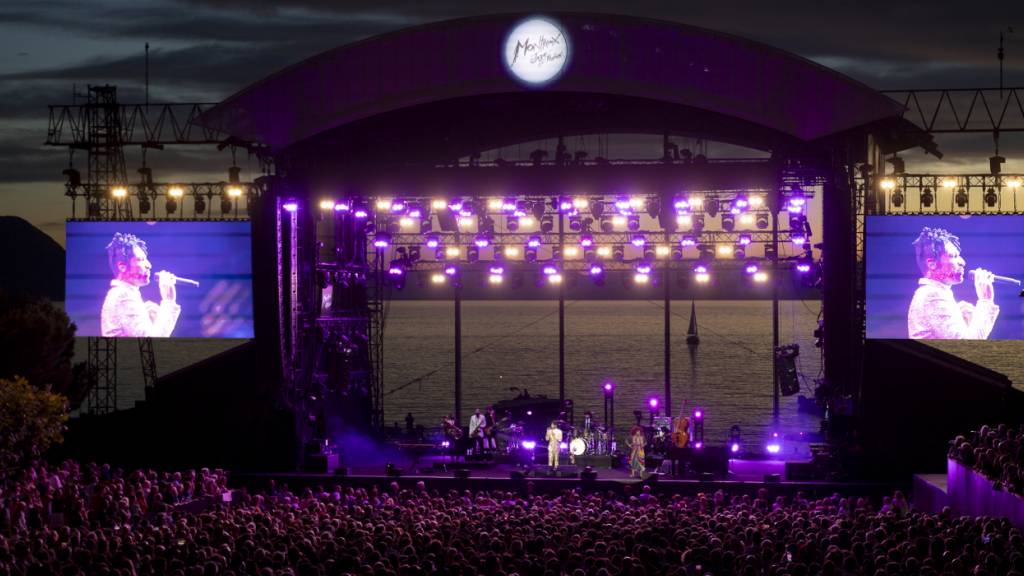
point(204, 51)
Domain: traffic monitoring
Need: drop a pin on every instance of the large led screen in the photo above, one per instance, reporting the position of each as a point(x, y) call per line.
point(160, 279)
point(945, 277)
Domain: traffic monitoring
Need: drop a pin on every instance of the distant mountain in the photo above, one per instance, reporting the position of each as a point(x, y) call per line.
point(31, 261)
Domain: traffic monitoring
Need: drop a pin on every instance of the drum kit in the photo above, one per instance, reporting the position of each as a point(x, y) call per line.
point(595, 442)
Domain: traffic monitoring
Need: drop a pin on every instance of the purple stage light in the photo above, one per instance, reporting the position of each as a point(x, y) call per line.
point(465, 212)
point(698, 445)
point(497, 270)
point(290, 206)
point(586, 240)
point(451, 270)
point(774, 444)
point(482, 241)
point(529, 444)
point(549, 270)
point(596, 270)
point(751, 268)
point(745, 240)
point(455, 205)
point(397, 207)
point(698, 414)
point(445, 444)
point(682, 206)
point(519, 213)
point(803, 268)
point(508, 205)
point(608, 386)
point(563, 446)
point(342, 207)
point(564, 205)
point(395, 270)
point(433, 241)
point(735, 447)
point(639, 241)
point(741, 203)
point(415, 213)
point(361, 213)
point(622, 205)
point(799, 240)
point(700, 269)
point(688, 241)
point(382, 240)
point(529, 412)
point(653, 403)
point(533, 242)
point(643, 268)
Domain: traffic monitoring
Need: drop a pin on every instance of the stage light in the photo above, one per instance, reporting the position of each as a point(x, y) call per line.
point(175, 192)
point(622, 204)
point(761, 220)
point(529, 445)
point(381, 240)
point(618, 221)
point(383, 205)
point(618, 252)
point(534, 242)
point(927, 198)
point(774, 445)
point(949, 183)
point(547, 223)
point(290, 206)
point(643, 267)
point(633, 223)
point(497, 275)
point(746, 219)
point(511, 251)
point(887, 184)
point(739, 251)
point(452, 252)
point(653, 402)
point(455, 205)
point(684, 220)
point(687, 241)
point(225, 204)
point(751, 267)
point(482, 241)
point(681, 205)
point(562, 204)
point(597, 208)
point(575, 224)
point(556, 253)
point(637, 203)
point(415, 211)
point(676, 253)
point(531, 255)
point(580, 203)
point(398, 207)
point(414, 254)
point(698, 223)
point(438, 203)
point(734, 447)
point(961, 197)
point(739, 205)
point(724, 250)
point(701, 273)
point(327, 204)
point(433, 241)
point(1014, 183)
point(555, 279)
point(549, 269)
point(897, 198)
point(596, 269)
point(639, 241)
point(641, 278)
point(608, 387)
point(711, 206)
point(466, 221)
point(438, 278)
point(607, 225)
point(406, 222)
point(760, 277)
point(696, 201)
point(512, 223)
point(804, 264)
point(527, 221)
point(604, 251)
point(586, 240)
point(990, 197)
point(728, 222)
point(395, 268)
point(698, 445)
point(571, 252)
point(200, 204)
point(451, 270)
point(495, 204)
point(662, 251)
point(119, 192)
point(472, 254)
point(756, 201)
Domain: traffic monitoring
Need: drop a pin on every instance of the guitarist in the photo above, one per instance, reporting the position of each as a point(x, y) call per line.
point(477, 423)
point(491, 428)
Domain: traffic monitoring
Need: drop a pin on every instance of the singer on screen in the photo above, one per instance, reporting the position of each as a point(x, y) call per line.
point(934, 313)
point(124, 312)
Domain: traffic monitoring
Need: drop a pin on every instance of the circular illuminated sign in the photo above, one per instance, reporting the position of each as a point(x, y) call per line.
point(536, 51)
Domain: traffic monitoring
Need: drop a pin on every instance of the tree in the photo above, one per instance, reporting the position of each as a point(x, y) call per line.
point(30, 422)
point(37, 341)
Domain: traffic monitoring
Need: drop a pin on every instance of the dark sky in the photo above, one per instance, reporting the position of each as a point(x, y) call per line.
point(205, 50)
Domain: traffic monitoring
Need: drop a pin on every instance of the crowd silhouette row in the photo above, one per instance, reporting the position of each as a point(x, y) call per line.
point(86, 519)
point(995, 451)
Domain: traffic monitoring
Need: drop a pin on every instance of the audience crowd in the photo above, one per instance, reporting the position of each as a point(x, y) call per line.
point(73, 520)
point(997, 452)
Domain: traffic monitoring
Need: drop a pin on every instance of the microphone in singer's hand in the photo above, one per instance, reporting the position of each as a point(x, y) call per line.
point(180, 279)
point(1004, 279)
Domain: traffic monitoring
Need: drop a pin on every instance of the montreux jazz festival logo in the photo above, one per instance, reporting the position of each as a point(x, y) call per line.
point(536, 51)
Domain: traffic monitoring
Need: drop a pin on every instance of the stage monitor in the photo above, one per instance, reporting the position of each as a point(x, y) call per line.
point(923, 279)
point(159, 279)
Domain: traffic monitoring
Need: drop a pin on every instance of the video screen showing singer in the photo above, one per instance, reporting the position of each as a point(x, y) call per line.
point(934, 312)
point(124, 313)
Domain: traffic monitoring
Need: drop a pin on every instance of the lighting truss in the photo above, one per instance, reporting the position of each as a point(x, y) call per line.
point(950, 194)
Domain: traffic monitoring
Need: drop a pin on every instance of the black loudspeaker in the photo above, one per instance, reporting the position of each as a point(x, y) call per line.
point(462, 473)
point(588, 475)
point(799, 471)
point(712, 459)
point(772, 478)
point(392, 470)
point(321, 463)
point(516, 475)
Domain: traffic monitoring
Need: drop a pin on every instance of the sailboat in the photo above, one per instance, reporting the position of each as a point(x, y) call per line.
point(692, 339)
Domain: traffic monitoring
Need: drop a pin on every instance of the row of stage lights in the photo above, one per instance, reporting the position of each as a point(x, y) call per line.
point(961, 197)
point(175, 194)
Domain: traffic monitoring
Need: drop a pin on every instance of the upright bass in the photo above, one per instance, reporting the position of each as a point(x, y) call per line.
point(681, 432)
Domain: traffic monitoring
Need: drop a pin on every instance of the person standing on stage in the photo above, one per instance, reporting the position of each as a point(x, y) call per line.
point(476, 430)
point(934, 313)
point(636, 452)
point(553, 436)
point(490, 430)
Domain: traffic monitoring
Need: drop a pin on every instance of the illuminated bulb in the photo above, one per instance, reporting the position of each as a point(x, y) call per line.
point(756, 201)
point(452, 251)
point(494, 204)
point(725, 250)
point(641, 278)
point(327, 204)
point(684, 220)
point(438, 278)
point(604, 251)
point(438, 203)
point(1014, 183)
point(495, 279)
point(527, 221)
point(696, 201)
point(662, 251)
point(618, 221)
point(555, 278)
point(466, 221)
point(383, 204)
point(746, 219)
point(887, 184)
point(637, 203)
point(119, 192)
point(703, 277)
point(571, 251)
point(405, 222)
point(949, 183)
point(580, 203)
point(234, 191)
point(511, 251)
point(175, 192)
point(761, 277)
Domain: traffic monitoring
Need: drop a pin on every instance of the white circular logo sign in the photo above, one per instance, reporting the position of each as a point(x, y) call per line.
point(536, 51)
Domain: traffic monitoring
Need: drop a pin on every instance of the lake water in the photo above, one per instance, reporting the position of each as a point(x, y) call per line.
point(510, 344)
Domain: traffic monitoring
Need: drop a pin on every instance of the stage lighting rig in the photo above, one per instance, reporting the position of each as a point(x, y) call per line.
point(927, 197)
point(991, 198)
point(961, 198)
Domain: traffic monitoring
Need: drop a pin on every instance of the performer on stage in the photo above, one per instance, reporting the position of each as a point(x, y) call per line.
point(636, 452)
point(934, 313)
point(476, 430)
point(124, 313)
point(490, 430)
point(553, 436)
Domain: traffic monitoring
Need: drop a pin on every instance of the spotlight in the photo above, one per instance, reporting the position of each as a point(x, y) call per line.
point(990, 197)
point(383, 205)
point(774, 445)
point(608, 387)
point(761, 220)
point(226, 205)
point(327, 204)
point(571, 252)
point(961, 197)
point(724, 251)
point(618, 221)
point(438, 203)
point(751, 267)
point(513, 252)
point(547, 223)
point(746, 219)
point(200, 204)
point(687, 241)
point(728, 222)
point(711, 206)
point(739, 251)
point(676, 253)
point(696, 202)
point(119, 192)
point(639, 240)
point(482, 241)
point(897, 198)
point(684, 220)
point(633, 223)
point(575, 224)
point(451, 270)
point(512, 223)
point(649, 253)
point(533, 242)
point(472, 254)
point(949, 183)
point(804, 264)
point(662, 251)
point(596, 269)
point(604, 251)
point(927, 197)
point(653, 402)
point(887, 184)
point(618, 252)
point(381, 240)
point(438, 278)
point(701, 273)
point(607, 225)
point(531, 255)
point(290, 206)
point(433, 241)
point(395, 268)
point(452, 252)
point(586, 240)
point(760, 277)
point(1014, 183)
point(495, 204)
point(496, 275)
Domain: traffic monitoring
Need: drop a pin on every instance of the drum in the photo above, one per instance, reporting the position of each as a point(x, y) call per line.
point(578, 447)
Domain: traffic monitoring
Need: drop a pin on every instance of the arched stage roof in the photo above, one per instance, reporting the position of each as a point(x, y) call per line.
point(624, 74)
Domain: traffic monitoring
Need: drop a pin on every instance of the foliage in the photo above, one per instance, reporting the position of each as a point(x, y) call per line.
point(37, 341)
point(30, 422)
